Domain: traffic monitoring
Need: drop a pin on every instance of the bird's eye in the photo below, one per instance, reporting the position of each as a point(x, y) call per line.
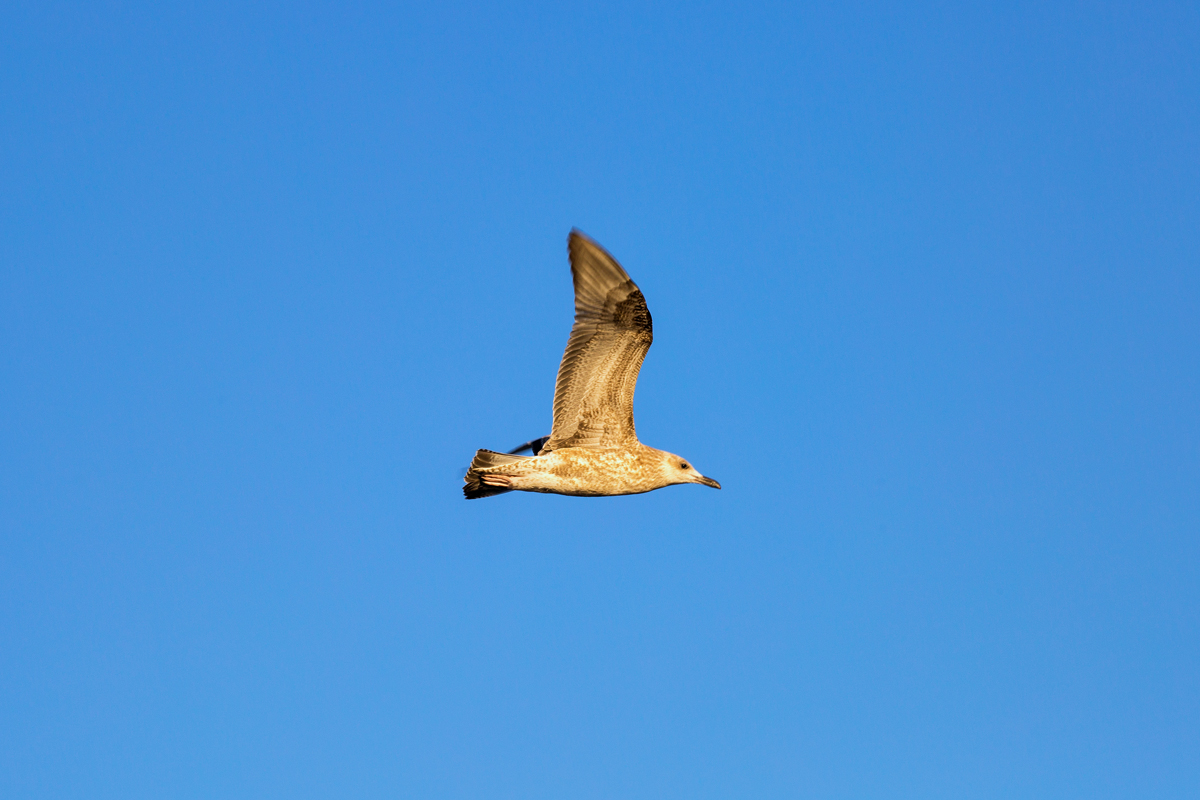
point(683, 465)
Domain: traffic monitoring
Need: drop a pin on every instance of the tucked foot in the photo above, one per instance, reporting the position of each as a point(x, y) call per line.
point(499, 481)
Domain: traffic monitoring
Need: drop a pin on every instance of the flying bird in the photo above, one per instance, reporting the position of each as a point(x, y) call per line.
point(592, 449)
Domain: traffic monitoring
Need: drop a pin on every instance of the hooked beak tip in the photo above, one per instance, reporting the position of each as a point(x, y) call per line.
point(710, 482)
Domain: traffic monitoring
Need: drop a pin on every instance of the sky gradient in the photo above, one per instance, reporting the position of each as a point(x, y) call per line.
point(925, 281)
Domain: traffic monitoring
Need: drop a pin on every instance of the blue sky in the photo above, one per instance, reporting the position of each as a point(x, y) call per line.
point(925, 286)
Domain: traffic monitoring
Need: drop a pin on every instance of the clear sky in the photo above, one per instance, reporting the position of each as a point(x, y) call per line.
point(925, 281)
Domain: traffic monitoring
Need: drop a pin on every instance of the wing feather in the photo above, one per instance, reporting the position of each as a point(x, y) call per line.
point(593, 396)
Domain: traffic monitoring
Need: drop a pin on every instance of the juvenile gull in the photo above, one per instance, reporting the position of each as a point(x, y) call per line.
point(592, 449)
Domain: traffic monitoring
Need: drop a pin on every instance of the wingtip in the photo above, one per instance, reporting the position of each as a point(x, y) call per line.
point(577, 237)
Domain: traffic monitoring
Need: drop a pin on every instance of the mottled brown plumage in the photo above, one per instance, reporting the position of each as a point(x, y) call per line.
point(593, 447)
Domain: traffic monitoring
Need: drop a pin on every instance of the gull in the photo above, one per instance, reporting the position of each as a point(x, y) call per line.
point(592, 449)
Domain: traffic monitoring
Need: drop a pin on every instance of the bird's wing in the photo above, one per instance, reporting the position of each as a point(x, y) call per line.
point(593, 396)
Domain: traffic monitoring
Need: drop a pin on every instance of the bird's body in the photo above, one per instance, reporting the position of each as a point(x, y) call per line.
point(593, 449)
point(585, 471)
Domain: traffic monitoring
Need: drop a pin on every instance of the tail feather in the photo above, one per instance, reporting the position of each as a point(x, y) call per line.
point(484, 459)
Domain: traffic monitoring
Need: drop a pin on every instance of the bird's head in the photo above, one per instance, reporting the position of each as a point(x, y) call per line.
point(680, 470)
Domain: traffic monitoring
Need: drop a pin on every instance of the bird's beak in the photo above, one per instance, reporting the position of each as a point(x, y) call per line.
point(709, 482)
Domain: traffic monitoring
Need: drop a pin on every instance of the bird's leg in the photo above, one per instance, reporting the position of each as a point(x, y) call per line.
point(492, 479)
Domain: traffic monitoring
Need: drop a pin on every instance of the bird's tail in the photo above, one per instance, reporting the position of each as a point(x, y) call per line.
point(484, 459)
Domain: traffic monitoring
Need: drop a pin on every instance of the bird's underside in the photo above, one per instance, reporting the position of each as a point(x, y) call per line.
point(592, 449)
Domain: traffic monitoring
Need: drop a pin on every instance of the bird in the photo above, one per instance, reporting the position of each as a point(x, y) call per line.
point(592, 449)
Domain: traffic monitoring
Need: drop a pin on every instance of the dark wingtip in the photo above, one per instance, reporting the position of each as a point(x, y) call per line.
point(533, 445)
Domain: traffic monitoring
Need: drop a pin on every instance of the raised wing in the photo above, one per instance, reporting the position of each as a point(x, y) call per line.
point(593, 397)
